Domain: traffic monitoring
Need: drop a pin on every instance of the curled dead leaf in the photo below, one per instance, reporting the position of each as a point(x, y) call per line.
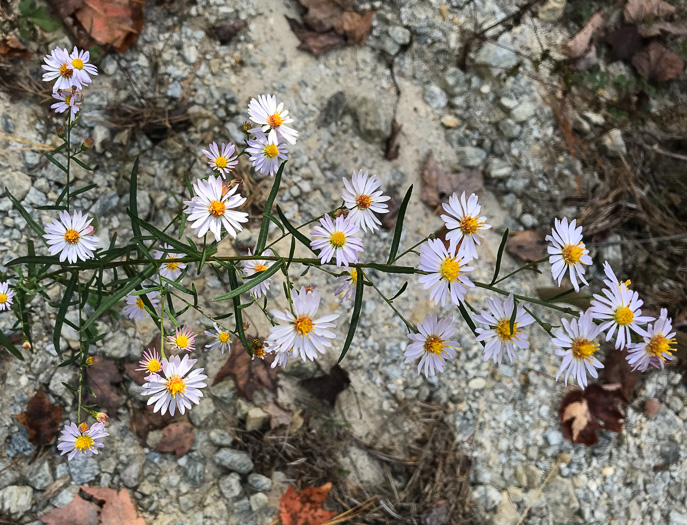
point(11, 47)
point(639, 10)
point(42, 419)
point(101, 377)
point(250, 374)
point(580, 42)
point(618, 371)
point(177, 437)
point(584, 412)
point(305, 507)
point(528, 245)
point(655, 62)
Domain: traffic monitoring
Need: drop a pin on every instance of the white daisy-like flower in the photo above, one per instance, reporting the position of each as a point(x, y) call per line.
point(576, 344)
point(433, 344)
point(135, 308)
point(347, 286)
point(266, 153)
point(223, 161)
point(151, 362)
point(337, 239)
point(82, 69)
point(211, 209)
point(464, 224)
point(568, 253)
point(170, 270)
point(618, 308)
point(177, 387)
point(183, 339)
point(272, 118)
point(362, 197)
point(657, 346)
point(58, 65)
point(71, 237)
point(220, 339)
point(498, 336)
point(254, 266)
point(81, 440)
point(446, 278)
point(6, 295)
point(68, 99)
point(300, 333)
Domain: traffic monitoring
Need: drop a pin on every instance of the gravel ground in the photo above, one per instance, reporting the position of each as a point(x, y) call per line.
point(343, 104)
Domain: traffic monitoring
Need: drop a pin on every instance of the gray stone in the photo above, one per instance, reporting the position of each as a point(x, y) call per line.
point(334, 109)
point(106, 203)
point(498, 168)
point(455, 82)
point(244, 240)
point(506, 513)
point(101, 135)
point(194, 469)
point(496, 59)
point(40, 477)
point(470, 157)
point(174, 90)
point(236, 460)
point(510, 128)
point(259, 482)
point(230, 486)
point(225, 391)
point(7, 123)
point(528, 221)
point(202, 411)
point(524, 111)
point(435, 97)
point(487, 496)
point(143, 202)
point(190, 54)
point(16, 500)
point(554, 437)
point(17, 183)
point(258, 501)
point(478, 383)
point(19, 443)
point(400, 35)
point(677, 518)
point(561, 499)
point(389, 45)
point(220, 437)
point(255, 418)
point(373, 117)
point(552, 10)
point(131, 474)
point(613, 143)
point(84, 469)
point(31, 158)
point(670, 452)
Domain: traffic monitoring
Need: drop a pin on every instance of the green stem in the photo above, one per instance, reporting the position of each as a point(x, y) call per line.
point(568, 311)
point(69, 157)
point(410, 327)
point(430, 236)
point(528, 266)
point(162, 316)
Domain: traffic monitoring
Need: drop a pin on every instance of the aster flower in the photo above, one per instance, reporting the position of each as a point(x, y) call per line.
point(68, 99)
point(300, 333)
point(70, 237)
point(446, 278)
point(177, 387)
point(337, 238)
point(82, 69)
point(220, 339)
point(81, 440)
point(266, 154)
point(58, 65)
point(6, 295)
point(170, 270)
point(657, 346)
point(135, 308)
point(576, 344)
point(362, 198)
point(498, 336)
point(222, 162)
point(151, 362)
point(433, 344)
point(568, 253)
point(464, 224)
point(211, 209)
point(618, 308)
point(347, 286)
point(254, 266)
point(183, 339)
point(258, 349)
point(272, 118)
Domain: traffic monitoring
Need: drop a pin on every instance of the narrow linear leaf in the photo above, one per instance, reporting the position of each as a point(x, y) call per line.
point(69, 361)
point(82, 190)
point(499, 256)
point(389, 268)
point(468, 320)
point(5, 341)
point(513, 315)
point(403, 289)
point(163, 237)
point(264, 227)
point(293, 231)
point(133, 201)
point(56, 162)
point(233, 282)
point(357, 306)
point(251, 282)
point(27, 217)
point(82, 163)
point(399, 226)
point(62, 195)
point(62, 311)
point(273, 219)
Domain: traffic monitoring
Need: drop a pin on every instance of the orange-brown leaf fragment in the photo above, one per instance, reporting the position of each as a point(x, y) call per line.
point(529, 245)
point(250, 374)
point(584, 412)
point(118, 508)
point(42, 419)
point(580, 42)
point(78, 512)
point(177, 437)
point(639, 10)
point(305, 507)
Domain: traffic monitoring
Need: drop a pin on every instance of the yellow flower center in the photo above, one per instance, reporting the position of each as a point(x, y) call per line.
point(172, 265)
point(303, 325)
point(271, 151)
point(77, 63)
point(449, 269)
point(3, 298)
point(182, 341)
point(221, 162)
point(572, 253)
point(67, 99)
point(217, 208)
point(83, 443)
point(469, 225)
point(583, 349)
point(175, 385)
point(659, 345)
point(363, 201)
point(434, 345)
point(66, 71)
point(259, 352)
point(503, 330)
point(259, 268)
point(623, 316)
point(338, 239)
point(139, 303)
point(223, 337)
point(71, 236)
point(154, 365)
point(354, 275)
point(275, 120)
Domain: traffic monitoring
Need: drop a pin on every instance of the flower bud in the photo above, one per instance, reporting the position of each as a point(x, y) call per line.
point(83, 427)
point(341, 212)
point(87, 144)
point(310, 288)
point(89, 361)
point(102, 417)
point(60, 131)
point(247, 126)
point(26, 345)
point(246, 326)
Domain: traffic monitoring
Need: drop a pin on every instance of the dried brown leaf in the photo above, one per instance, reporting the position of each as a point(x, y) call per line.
point(42, 419)
point(118, 509)
point(580, 42)
point(639, 10)
point(528, 245)
point(78, 512)
point(657, 63)
point(654, 29)
point(177, 437)
point(316, 43)
point(438, 185)
point(101, 377)
point(250, 374)
point(584, 412)
point(278, 416)
point(143, 421)
point(625, 42)
point(618, 371)
point(305, 507)
point(11, 47)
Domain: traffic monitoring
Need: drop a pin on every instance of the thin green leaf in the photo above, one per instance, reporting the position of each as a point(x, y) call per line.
point(264, 227)
point(5, 341)
point(399, 226)
point(357, 306)
point(62, 312)
point(499, 256)
point(403, 289)
point(82, 190)
point(62, 195)
point(163, 237)
point(27, 217)
point(468, 320)
point(81, 163)
point(69, 361)
point(56, 162)
point(133, 201)
point(390, 268)
point(237, 311)
point(513, 315)
point(293, 231)
point(68, 386)
point(251, 282)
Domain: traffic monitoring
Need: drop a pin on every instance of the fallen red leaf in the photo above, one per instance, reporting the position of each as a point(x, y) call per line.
point(118, 509)
point(42, 419)
point(143, 421)
point(580, 42)
point(655, 62)
point(639, 10)
point(305, 507)
point(250, 374)
point(584, 412)
point(78, 512)
point(438, 185)
point(177, 437)
point(100, 377)
point(528, 245)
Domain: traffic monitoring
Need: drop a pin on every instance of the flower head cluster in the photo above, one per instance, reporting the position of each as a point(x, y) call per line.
point(6, 295)
point(657, 346)
point(170, 270)
point(176, 387)
point(576, 344)
point(68, 69)
point(183, 339)
point(266, 153)
point(68, 99)
point(337, 239)
point(568, 253)
point(464, 224)
point(81, 439)
point(71, 237)
point(211, 209)
point(446, 277)
point(222, 161)
point(219, 339)
point(255, 266)
point(433, 344)
point(363, 198)
point(347, 287)
point(135, 308)
point(151, 362)
point(503, 337)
